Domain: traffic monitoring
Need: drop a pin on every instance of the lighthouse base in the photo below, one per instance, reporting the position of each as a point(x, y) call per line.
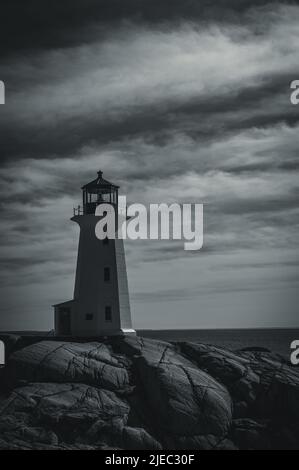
point(68, 323)
point(121, 332)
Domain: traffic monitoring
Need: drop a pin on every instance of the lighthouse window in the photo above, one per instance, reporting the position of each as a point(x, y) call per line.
point(106, 274)
point(108, 313)
point(89, 316)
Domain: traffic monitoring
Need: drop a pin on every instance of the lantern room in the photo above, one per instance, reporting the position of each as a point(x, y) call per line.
point(97, 192)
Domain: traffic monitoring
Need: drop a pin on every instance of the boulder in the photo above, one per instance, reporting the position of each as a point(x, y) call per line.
point(48, 413)
point(186, 399)
point(55, 361)
point(278, 393)
point(230, 369)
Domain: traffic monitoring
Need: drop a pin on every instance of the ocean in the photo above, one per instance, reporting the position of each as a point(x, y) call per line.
point(277, 340)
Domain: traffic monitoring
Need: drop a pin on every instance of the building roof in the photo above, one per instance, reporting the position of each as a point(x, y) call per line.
point(99, 182)
point(63, 303)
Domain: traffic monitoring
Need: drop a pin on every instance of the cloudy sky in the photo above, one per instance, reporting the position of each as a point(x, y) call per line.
point(176, 102)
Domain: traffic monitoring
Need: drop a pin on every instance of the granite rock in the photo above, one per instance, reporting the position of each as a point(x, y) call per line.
point(137, 393)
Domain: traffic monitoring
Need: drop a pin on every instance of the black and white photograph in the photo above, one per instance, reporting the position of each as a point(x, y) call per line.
point(149, 197)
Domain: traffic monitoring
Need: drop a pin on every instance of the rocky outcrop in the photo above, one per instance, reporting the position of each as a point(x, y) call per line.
point(136, 393)
point(56, 361)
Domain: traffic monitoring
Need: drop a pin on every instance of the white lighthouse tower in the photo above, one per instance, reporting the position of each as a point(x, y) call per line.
point(101, 305)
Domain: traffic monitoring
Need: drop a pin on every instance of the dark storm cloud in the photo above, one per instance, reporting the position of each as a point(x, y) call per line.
point(44, 25)
point(288, 165)
point(45, 89)
point(263, 206)
point(157, 124)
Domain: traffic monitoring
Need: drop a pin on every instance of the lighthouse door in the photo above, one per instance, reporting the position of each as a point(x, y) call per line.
point(65, 321)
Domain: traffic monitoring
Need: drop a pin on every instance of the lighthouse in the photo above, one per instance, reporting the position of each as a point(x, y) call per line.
point(101, 305)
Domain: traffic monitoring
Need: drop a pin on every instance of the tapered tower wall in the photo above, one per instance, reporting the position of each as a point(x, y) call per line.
point(101, 303)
